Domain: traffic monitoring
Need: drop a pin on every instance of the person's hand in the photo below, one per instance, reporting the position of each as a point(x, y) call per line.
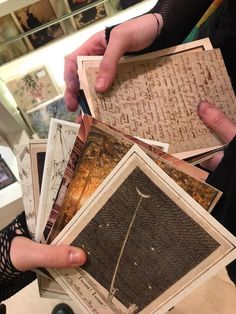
point(26, 254)
point(130, 36)
point(217, 121)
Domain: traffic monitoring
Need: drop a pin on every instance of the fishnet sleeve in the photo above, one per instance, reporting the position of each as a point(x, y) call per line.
point(179, 17)
point(12, 280)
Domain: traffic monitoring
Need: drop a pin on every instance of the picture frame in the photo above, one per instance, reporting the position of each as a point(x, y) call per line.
point(40, 116)
point(88, 16)
point(6, 175)
point(36, 15)
point(32, 88)
point(8, 30)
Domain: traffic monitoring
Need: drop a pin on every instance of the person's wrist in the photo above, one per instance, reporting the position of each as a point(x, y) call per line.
point(160, 23)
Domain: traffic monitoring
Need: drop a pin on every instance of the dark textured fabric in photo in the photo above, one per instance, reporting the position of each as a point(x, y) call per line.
point(163, 245)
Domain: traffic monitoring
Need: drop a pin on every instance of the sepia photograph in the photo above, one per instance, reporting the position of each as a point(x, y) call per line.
point(8, 30)
point(87, 16)
point(36, 15)
point(6, 175)
point(79, 4)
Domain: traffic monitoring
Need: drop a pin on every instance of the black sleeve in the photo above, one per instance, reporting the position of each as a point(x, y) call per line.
point(11, 279)
point(179, 17)
point(224, 179)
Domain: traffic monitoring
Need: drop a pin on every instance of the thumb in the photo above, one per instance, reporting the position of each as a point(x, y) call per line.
point(217, 121)
point(26, 254)
point(116, 47)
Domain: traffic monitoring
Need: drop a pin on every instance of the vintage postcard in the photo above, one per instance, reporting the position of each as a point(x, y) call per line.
point(84, 62)
point(49, 288)
point(32, 89)
point(30, 159)
point(149, 243)
point(90, 16)
point(97, 150)
point(157, 98)
point(36, 15)
point(61, 138)
point(9, 29)
point(41, 115)
point(90, 11)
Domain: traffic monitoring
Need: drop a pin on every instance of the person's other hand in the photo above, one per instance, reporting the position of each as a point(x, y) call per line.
point(130, 36)
point(26, 254)
point(217, 121)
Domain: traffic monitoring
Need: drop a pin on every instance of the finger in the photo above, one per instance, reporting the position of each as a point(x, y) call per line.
point(213, 162)
point(216, 120)
point(70, 74)
point(26, 254)
point(116, 47)
point(71, 100)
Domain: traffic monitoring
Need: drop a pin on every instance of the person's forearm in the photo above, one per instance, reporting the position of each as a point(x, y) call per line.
point(179, 18)
point(12, 280)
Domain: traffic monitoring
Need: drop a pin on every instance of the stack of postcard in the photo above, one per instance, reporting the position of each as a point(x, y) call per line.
point(141, 214)
point(155, 96)
point(134, 208)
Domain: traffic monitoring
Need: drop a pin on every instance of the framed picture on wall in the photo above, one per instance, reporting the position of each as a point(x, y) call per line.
point(88, 16)
point(6, 175)
point(8, 30)
point(32, 89)
point(36, 15)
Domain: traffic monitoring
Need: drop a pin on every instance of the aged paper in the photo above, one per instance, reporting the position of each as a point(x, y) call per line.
point(157, 99)
point(30, 160)
point(138, 212)
point(97, 150)
point(61, 139)
point(197, 45)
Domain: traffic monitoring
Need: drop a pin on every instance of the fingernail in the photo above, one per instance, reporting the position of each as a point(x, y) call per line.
point(203, 106)
point(75, 258)
point(101, 84)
